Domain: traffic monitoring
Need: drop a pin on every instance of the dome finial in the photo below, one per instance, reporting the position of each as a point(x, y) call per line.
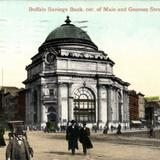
point(68, 21)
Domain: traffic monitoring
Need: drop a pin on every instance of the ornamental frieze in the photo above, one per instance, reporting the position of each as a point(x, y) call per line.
point(84, 55)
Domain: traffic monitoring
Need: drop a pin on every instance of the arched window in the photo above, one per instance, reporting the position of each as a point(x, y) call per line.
point(84, 105)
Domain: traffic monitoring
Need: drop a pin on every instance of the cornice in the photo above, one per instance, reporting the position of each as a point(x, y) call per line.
point(55, 74)
point(33, 64)
point(81, 49)
point(33, 78)
point(114, 78)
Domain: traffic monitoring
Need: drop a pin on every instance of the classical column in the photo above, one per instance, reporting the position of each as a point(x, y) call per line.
point(43, 112)
point(43, 115)
point(31, 107)
point(109, 105)
point(99, 89)
point(59, 105)
point(126, 106)
point(39, 103)
point(116, 116)
point(122, 106)
point(70, 102)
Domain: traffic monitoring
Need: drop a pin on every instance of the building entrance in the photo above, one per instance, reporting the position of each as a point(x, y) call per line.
point(51, 114)
point(84, 105)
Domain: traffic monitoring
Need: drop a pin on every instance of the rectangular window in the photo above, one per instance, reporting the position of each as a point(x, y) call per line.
point(85, 118)
point(51, 92)
point(81, 118)
point(85, 105)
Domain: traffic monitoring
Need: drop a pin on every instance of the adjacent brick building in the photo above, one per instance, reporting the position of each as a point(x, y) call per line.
point(12, 104)
point(136, 107)
point(133, 105)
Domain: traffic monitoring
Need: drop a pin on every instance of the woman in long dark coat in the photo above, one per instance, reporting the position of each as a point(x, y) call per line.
point(72, 135)
point(84, 138)
point(2, 141)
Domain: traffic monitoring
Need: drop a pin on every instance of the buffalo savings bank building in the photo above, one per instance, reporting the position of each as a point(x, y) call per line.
point(69, 78)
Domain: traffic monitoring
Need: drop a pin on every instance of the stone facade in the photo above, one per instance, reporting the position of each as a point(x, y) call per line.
point(141, 104)
point(71, 79)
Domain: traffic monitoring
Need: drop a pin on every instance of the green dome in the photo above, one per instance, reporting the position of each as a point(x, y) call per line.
point(68, 31)
point(68, 34)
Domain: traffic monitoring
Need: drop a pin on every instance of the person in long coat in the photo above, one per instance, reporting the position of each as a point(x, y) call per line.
point(2, 141)
point(72, 135)
point(119, 129)
point(19, 148)
point(84, 138)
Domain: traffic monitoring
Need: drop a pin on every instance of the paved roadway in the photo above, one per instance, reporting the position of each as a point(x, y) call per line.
point(53, 146)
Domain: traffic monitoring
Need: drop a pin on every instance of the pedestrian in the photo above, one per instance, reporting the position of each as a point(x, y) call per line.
point(84, 138)
point(19, 148)
point(72, 135)
point(119, 129)
point(112, 128)
point(105, 131)
point(151, 132)
point(2, 141)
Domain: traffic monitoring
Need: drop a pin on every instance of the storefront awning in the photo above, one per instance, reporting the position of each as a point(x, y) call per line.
point(136, 122)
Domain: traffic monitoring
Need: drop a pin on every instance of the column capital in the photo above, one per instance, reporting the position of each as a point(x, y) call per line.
point(116, 88)
point(100, 85)
point(70, 84)
point(125, 92)
point(108, 86)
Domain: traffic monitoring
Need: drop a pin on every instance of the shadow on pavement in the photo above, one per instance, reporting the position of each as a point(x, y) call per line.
point(62, 153)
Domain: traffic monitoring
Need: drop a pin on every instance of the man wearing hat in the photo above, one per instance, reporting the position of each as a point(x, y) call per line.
point(18, 147)
point(84, 138)
point(72, 135)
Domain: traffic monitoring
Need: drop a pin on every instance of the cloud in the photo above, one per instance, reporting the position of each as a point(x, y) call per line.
point(43, 21)
point(1, 46)
point(3, 20)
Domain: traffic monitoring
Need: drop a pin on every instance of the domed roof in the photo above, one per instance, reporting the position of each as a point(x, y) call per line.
point(68, 34)
point(68, 31)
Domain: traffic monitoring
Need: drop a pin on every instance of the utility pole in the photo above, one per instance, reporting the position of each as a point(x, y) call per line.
point(2, 78)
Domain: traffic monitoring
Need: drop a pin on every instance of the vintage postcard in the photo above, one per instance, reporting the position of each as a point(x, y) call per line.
point(79, 79)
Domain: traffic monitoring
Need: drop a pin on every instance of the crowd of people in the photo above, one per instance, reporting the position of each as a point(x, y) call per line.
point(18, 147)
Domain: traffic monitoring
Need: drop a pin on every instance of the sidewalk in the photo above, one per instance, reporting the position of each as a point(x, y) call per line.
point(133, 137)
point(133, 130)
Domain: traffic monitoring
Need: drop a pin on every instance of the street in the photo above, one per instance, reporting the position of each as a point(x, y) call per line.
point(53, 146)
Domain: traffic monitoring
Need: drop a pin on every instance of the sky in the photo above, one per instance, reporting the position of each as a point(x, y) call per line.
point(128, 31)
